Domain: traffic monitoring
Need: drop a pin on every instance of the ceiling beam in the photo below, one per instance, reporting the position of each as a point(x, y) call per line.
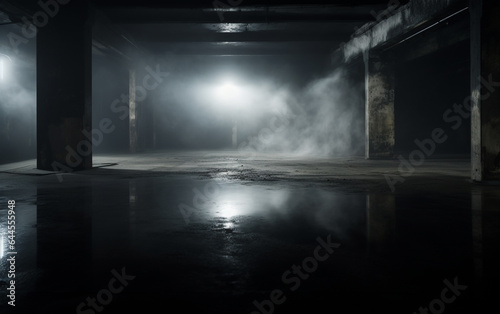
point(316, 14)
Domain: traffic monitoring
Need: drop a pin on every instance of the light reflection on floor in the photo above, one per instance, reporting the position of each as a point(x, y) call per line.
point(395, 248)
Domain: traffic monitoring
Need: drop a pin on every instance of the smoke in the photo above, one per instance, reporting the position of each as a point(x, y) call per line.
point(17, 99)
point(287, 110)
point(17, 89)
point(17, 76)
point(324, 119)
point(17, 120)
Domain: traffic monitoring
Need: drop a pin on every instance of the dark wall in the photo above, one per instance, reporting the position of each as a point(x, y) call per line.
point(426, 89)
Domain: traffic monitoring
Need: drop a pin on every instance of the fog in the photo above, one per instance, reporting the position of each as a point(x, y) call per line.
point(293, 105)
point(274, 105)
point(17, 116)
point(17, 99)
point(323, 119)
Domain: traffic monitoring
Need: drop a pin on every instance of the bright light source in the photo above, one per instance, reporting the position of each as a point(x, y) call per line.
point(228, 92)
point(230, 95)
point(229, 88)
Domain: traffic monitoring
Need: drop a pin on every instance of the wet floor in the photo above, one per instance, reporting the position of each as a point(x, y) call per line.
point(124, 242)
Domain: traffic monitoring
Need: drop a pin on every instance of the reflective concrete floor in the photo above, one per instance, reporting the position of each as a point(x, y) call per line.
point(222, 232)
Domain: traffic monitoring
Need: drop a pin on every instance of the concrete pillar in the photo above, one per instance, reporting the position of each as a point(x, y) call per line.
point(485, 96)
point(379, 82)
point(132, 112)
point(64, 117)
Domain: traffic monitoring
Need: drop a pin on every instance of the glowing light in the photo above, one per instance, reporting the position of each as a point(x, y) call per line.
point(1, 69)
point(228, 92)
point(1, 247)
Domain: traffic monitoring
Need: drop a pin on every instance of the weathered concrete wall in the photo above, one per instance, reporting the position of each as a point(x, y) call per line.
point(379, 107)
point(485, 102)
point(132, 117)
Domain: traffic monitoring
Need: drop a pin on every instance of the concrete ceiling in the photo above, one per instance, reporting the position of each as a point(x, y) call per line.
point(251, 28)
point(226, 27)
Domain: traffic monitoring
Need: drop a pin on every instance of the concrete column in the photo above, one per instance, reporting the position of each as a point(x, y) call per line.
point(132, 113)
point(485, 96)
point(379, 82)
point(64, 117)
